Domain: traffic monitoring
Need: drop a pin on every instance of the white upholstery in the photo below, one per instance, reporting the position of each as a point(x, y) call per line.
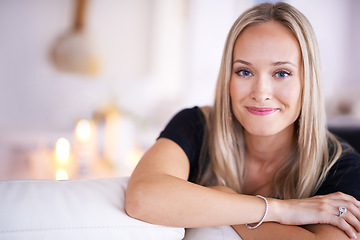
point(212, 233)
point(81, 209)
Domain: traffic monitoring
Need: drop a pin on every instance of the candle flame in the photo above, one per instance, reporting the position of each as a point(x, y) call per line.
point(61, 174)
point(62, 149)
point(83, 129)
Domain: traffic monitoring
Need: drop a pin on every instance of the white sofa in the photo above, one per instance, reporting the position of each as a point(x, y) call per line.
point(82, 209)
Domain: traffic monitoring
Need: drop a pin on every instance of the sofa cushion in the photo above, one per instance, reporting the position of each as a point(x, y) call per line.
point(75, 209)
point(212, 233)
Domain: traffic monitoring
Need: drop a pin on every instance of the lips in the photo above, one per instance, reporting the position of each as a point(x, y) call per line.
point(262, 111)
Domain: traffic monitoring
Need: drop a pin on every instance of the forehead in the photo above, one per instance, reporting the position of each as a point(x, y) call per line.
point(270, 40)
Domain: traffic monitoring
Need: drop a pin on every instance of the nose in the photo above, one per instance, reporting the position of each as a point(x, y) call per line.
point(261, 89)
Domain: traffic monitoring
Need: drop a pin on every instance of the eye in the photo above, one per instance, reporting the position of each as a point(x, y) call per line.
point(282, 74)
point(243, 73)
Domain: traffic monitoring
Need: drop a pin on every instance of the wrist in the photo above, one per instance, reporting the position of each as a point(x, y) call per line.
point(274, 213)
point(265, 214)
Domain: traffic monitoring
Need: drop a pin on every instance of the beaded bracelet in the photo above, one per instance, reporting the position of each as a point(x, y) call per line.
point(266, 211)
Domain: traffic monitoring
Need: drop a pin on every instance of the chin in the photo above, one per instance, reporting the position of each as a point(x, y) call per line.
point(265, 130)
point(262, 132)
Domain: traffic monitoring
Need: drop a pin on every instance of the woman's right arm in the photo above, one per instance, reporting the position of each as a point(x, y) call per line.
point(158, 192)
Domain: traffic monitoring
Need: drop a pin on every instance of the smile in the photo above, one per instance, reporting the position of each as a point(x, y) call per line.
point(261, 111)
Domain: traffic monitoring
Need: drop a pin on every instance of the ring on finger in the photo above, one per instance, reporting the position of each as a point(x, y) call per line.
point(342, 211)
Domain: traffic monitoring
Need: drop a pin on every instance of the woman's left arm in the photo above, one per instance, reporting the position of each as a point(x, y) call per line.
point(274, 231)
point(285, 232)
point(318, 205)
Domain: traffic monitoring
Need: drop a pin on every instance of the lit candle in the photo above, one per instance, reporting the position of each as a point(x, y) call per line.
point(63, 163)
point(62, 150)
point(119, 140)
point(61, 174)
point(85, 145)
point(112, 133)
point(83, 130)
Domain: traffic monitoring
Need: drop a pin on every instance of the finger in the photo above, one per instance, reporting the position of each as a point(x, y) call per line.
point(352, 220)
point(353, 209)
point(352, 213)
point(348, 219)
point(343, 225)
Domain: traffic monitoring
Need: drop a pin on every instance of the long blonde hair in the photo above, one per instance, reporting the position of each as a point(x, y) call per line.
point(306, 170)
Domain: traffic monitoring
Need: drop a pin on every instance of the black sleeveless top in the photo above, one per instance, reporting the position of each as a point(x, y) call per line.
point(186, 129)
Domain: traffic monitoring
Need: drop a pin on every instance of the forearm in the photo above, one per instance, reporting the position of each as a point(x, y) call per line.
point(287, 232)
point(159, 193)
point(274, 231)
point(167, 200)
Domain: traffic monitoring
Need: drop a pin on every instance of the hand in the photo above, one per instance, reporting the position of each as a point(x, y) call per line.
point(321, 210)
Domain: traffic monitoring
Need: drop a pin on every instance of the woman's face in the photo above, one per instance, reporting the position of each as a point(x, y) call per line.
point(266, 79)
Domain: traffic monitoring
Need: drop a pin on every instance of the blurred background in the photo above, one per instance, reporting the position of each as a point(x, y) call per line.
point(87, 85)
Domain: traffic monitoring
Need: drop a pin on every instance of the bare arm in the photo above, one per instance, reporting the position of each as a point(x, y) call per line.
point(275, 231)
point(287, 232)
point(158, 192)
point(272, 230)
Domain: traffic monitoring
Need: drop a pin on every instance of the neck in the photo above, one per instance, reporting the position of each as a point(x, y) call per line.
point(270, 150)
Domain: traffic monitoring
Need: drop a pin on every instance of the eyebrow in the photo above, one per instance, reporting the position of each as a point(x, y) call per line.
point(284, 63)
point(242, 61)
point(279, 63)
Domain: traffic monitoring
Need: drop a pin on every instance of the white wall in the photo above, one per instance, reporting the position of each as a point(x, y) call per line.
point(34, 95)
point(208, 24)
point(158, 56)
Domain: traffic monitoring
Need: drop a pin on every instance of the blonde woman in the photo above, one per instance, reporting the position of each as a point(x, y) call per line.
point(260, 159)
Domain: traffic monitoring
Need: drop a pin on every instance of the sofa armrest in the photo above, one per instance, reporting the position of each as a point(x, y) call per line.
point(75, 209)
point(212, 233)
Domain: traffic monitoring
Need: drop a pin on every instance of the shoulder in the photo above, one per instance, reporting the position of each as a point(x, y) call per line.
point(187, 129)
point(348, 163)
point(189, 113)
point(349, 158)
point(187, 118)
point(344, 175)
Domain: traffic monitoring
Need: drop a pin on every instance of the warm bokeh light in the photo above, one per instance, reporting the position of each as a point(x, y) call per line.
point(61, 174)
point(83, 130)
point(62, 149)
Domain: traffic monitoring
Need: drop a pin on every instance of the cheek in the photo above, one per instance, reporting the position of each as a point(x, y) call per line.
point(234, 88)
point(237, 90)
point(233, 93)
point(291, 96)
